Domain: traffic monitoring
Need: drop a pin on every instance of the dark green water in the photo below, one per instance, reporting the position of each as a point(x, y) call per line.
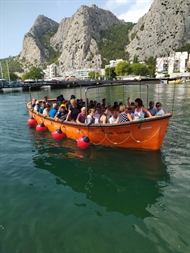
point(57, 198)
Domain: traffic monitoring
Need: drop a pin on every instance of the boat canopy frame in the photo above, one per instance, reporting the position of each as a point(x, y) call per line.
point(118, 83)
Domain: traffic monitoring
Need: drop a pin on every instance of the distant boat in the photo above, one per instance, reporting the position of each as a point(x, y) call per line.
point(176, 82)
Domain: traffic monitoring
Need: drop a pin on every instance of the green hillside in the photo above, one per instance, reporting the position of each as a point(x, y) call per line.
point(13, 65)
point(45, 41)
point(113, 42)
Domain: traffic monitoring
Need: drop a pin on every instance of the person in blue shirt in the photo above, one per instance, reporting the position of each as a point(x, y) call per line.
point(152, 109)
point(53, 110)
point(42, 107)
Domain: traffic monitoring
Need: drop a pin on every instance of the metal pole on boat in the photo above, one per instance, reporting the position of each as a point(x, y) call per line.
point(173, 99)
point(30, 93)
point(147, 95)
point(80, 92)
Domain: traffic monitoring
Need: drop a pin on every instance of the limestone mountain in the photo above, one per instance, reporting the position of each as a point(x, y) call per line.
point(163, 29)
point(33, 51)
point(77, 37)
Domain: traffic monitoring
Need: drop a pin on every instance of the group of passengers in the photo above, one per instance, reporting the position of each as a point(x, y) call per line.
point(75, 110)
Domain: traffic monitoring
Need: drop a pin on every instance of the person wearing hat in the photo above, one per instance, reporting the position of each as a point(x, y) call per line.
point(61, 114)
point(152, 109)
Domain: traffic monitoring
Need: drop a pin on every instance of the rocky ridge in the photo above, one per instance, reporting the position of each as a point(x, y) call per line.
point(78, 37)
point(32, 50)
point(163, 29)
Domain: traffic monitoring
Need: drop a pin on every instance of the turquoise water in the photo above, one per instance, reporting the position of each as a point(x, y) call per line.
point(57, 198)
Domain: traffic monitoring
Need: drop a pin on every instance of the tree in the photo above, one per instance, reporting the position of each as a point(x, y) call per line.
point(151, 65)
point(123, 68)
point(139, 69)
point(13, 76)
point(135, 59)
point(110, 73)
point(93, 75)
point(34, 73)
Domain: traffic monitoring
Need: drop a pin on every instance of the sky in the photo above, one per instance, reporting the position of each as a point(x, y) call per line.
point(18, 16)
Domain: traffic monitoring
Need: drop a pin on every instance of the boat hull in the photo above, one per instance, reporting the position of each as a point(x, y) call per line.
point(147, 134)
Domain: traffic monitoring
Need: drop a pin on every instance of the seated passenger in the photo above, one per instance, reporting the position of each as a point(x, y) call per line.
point(33, 103)
point(152, 109)
point(81, 116)
point(53, 110)
point(103, 105)
point(60, 99)
point(113, 118)
point(97, 115)
point(123, 115)
point(140, 110)
point(73, 111)
point(61, 114)
point(104, 117)
point(37, 106)
point(160, 111)
point(46, 99)
point(130, 111)
point(90, 117)
point(109, 112)
point(115, 105)
point(42, 107)
point(46, 110)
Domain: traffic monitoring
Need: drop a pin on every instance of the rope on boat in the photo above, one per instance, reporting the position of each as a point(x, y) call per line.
point(147, 139)
point(96, 144)
point(116, 143)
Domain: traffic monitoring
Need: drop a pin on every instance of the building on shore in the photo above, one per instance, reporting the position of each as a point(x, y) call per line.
point(51, 71)
point(175, 65)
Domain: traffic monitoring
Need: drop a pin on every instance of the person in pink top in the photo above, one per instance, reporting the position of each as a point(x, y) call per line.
point(81, 116)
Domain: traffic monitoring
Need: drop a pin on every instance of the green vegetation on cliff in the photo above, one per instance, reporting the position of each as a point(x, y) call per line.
point(113, 42)
point(10, 64)
point(185, 48)
point(45, 41)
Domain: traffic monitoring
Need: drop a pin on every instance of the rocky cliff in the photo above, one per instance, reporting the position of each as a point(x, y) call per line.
point(33, 51)
point(165, 28)
point(77, 39)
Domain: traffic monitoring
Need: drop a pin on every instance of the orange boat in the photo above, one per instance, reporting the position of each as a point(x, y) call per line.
point(146, 134)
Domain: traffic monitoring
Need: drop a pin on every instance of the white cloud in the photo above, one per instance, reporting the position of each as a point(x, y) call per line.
point(129, 10)
point(114, 4)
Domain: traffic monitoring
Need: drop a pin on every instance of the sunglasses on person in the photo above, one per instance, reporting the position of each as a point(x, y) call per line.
point(158, 105)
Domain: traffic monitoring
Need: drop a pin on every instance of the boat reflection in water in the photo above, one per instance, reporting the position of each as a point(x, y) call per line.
point(123, 181)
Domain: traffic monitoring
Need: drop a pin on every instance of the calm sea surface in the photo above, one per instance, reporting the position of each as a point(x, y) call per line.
point(57, 198)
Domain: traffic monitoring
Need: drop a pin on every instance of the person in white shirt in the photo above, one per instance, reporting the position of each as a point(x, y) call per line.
point(97, 115)
point(113, 118)
point(160, 111)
